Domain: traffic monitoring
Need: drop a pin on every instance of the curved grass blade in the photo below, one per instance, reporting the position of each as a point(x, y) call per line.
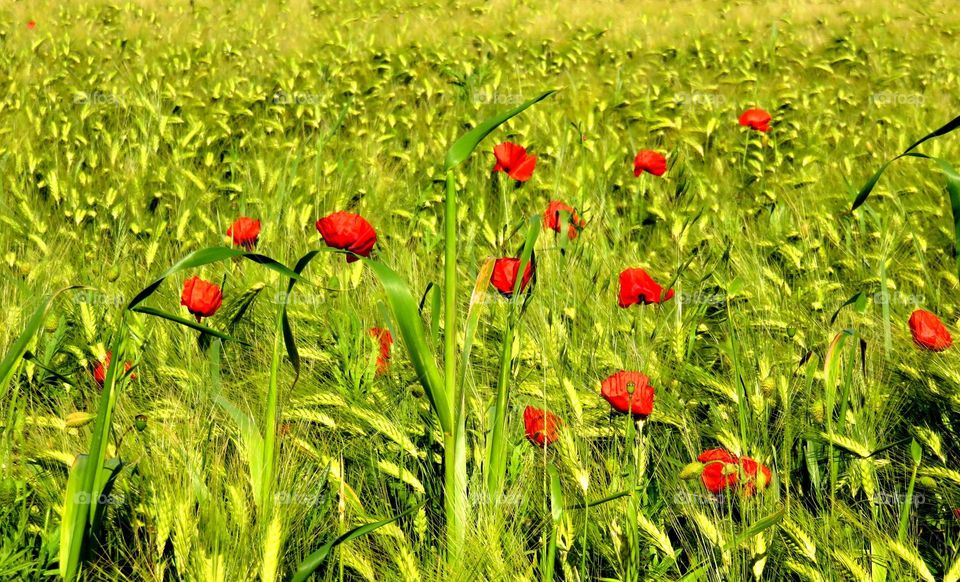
point(499, 448)
point(855, 299)
point(205, 257)
point(19, 347)
point(316, 559)
point(410, 326)
point(73, 521)
point(601, 501)
point(30, 357)
point(556, 514)
point(188, 323)
point(463, 147)
point(289, 341)
point(868, 187)
point(474, 311)
point(758, 527)
point(953, 189)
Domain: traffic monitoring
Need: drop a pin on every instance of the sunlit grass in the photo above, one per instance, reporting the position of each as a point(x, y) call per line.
point(133, 135)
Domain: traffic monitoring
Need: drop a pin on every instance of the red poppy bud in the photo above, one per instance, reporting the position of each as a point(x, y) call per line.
point(692, 470)
point(349, 232)
point(513, 159)
point(551, 218)
point(385, 340)
point(245, 232)
point(629, 392)
point(540, 425)
point(504, 276)
point(200, 297)
point(929, 332)
point(636, 286)
point(100, 370)
point(757, 119)
point(649, 161)
point(31, 24)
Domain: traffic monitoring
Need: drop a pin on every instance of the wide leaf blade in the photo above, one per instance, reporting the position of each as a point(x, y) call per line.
point(407, 314)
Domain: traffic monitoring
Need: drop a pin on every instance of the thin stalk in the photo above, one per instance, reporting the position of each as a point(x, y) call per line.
point(632, 528)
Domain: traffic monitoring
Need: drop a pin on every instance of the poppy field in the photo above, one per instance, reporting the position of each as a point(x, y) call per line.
point(421, 291)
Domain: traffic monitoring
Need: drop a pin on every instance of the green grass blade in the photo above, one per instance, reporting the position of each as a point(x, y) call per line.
point(316, 559)
point(188, 323)
point(953, 189)
point(499, 449)
point(289, 340)
point(16, 352)
point(869, 185)
point(756, 528)
point(410, 326)
point(73, 521)
point(205, 257)
point(250, 439)
point(463, 147)
point(855, 299)
point(916, 453)
point(474, 311)
point(556, 514)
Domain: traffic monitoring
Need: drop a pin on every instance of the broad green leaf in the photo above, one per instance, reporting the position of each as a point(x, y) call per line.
point(410, 326)
point(463, 147)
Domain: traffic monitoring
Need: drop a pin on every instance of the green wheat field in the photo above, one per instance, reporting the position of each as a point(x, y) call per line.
point(262, 314)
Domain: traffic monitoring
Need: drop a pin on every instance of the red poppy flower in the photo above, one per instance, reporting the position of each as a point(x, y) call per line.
point(649, 161)
point(513, 159)
point(245, 232)
point(541, 425)
point(31, 24)
point(929, 332)
point(349, 232)
point(756, 476)
point(504, 275)
point(100, 370)
point(629, 392)
point(636, 287)
point(383, 336)
point(717, 476)
point(551, 218)
point(757, 119)
point(200, 297)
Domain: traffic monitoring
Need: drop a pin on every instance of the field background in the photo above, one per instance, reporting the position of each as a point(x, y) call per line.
point(132, 134)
